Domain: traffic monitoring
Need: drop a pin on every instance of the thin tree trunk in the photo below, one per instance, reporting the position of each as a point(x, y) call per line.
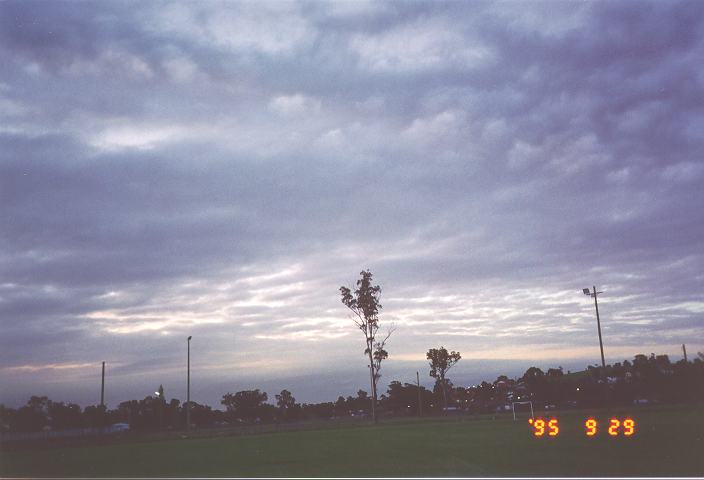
point(373, 382)
point(444, 395)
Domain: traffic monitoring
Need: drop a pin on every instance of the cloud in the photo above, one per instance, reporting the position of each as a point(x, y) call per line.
point(418, 46)
point(219, 170)
point(296, 104)
point(270, 29)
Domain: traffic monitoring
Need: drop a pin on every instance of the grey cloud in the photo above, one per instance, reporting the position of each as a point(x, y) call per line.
point(145, 175)
point(50, 33)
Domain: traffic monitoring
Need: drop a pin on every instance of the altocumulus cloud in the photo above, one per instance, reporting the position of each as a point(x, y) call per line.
point(220, 169)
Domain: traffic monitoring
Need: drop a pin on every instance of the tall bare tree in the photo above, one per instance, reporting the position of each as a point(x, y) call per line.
point(440, 362)
point(364, 303)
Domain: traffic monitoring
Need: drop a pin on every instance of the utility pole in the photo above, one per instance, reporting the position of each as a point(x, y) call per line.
point(102, 400)
point(684, 350)
point(102, 388)
point(420, 402)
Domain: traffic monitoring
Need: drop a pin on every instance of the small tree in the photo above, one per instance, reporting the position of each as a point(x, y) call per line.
point(364, 303)
point(285, 402)
point(246, 404)
point(440, 362)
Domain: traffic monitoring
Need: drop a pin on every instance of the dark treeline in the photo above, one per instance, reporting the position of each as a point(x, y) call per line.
point(646, 379)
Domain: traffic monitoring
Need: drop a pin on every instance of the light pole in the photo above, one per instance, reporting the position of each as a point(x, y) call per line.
point(188, 387)
point(594, 294)
point(420, 401)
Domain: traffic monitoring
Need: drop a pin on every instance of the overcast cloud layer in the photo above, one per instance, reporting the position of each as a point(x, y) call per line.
point(219, 170)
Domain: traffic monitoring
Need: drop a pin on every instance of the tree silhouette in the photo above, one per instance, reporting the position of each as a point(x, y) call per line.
point(161, 404)
point(645, 379)
point(246, 404)
point(364, 303)
point(536, 381)
point(440, 362)
point(285, 401)
point(63, 416)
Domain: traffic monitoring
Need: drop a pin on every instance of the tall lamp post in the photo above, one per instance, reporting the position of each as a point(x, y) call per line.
point(594, 293)
point(188, 387)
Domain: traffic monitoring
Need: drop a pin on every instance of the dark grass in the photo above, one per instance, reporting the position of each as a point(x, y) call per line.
point(667, 443)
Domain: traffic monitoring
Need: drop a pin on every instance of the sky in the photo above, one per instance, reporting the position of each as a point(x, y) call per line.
point(220, 169)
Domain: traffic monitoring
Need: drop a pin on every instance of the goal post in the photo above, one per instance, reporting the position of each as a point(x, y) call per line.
point(528, 402)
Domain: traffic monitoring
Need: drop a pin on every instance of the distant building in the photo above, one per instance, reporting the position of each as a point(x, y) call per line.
point(118, 427)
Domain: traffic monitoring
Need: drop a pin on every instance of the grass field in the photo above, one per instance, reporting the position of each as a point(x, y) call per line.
point(668, 442)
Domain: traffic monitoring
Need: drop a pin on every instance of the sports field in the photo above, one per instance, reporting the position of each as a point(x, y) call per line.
point(666, 443)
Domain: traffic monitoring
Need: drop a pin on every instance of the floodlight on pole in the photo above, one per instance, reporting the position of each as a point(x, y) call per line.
point(594, 294)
